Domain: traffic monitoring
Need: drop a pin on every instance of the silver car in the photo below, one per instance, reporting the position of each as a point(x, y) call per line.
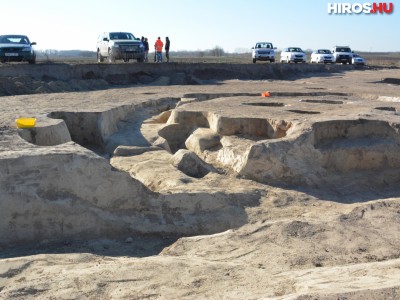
point(119, 45)
point(358, 60)
point(293, 54)
point(322, 56)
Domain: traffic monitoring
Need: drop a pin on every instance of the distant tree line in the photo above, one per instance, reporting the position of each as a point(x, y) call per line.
point(52, 53)
point(67, 53)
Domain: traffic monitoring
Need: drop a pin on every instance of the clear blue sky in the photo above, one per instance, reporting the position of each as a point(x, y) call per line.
point(200, 24)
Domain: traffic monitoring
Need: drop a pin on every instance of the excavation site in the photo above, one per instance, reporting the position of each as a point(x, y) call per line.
point(194, 181)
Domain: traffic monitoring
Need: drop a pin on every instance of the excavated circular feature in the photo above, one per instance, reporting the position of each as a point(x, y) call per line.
point(269, 104)
point(323, 101)
point(387, 108)
point(305, 112)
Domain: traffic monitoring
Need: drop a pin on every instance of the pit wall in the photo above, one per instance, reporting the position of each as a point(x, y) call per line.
point(127, 73)
point(43, 78)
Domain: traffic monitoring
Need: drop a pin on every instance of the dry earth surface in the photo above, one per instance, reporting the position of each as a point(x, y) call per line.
point(206, 190)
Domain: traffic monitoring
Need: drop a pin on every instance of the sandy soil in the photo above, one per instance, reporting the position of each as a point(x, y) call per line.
point(298, 243)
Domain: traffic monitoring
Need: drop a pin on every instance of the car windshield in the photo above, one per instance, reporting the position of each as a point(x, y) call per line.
point(324, 51)
point(264, 45)
point(14, 39)
point(343, 50)
point(295, 50)
point(122, 36)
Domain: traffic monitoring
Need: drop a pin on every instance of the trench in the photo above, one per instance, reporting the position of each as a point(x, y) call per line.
point(104, 131)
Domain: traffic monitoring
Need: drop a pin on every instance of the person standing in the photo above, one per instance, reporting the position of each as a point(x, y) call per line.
point(146, 50)
point(158, 47)
point(167, 44)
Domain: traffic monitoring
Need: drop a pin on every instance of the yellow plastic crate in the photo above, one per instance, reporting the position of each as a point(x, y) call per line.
point(25, 122)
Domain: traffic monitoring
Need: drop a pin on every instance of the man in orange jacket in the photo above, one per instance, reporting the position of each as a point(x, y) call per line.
point(158, 47)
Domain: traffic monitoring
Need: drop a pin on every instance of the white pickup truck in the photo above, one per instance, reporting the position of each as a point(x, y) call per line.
point(342, 54)
point(263, 51)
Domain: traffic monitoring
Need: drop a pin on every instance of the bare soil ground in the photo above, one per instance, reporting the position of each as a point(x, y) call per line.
point(297, 242)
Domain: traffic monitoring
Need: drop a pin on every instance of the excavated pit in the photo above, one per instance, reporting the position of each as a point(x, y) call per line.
point(310, 157)
point(357, 145)
point(98, 130)
point(334, 226)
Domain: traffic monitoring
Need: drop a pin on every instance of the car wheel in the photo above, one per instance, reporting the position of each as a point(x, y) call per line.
point(111, 58)
point(99, 57)
point(254, 60)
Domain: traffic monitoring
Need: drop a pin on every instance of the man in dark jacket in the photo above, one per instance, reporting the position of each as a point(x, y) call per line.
point(146, 50)
point(167, 44)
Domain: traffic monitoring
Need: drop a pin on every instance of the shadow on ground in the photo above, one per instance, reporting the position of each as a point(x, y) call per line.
point(141, 246)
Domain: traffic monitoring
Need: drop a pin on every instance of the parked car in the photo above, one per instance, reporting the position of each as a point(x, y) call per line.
point(342, 54)
point(322, 56)
point(16, 48)
point(119, 45)
point(263, 51)
point(358, 60)
point(293, 54)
